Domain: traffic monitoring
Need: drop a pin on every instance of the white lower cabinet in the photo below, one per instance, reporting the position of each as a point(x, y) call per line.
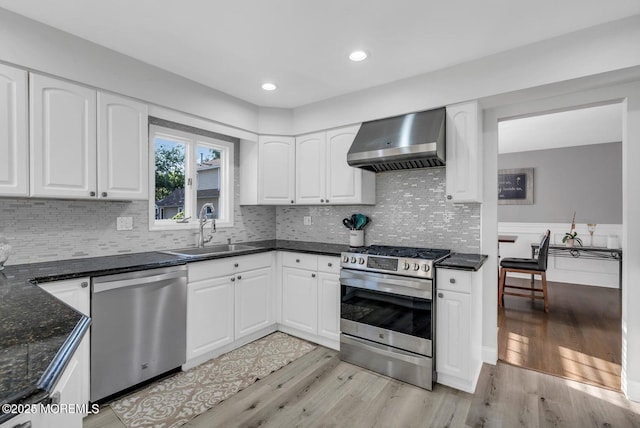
point(458, 328)
point(73, 385)
point(253, 301)
point(310, 297)
point(299, 299)
point(227, 300)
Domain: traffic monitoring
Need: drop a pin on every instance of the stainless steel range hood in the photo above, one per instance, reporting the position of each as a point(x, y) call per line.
point(415, 140)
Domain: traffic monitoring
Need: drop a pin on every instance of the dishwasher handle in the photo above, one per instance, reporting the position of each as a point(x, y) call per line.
point(104, 284)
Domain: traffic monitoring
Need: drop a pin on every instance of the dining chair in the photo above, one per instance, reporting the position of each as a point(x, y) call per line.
point(529, 266)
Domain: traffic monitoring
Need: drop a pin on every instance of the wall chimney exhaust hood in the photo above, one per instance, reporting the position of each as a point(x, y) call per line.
point(415, 140)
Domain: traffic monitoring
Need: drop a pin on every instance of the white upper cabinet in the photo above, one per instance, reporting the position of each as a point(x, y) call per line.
point(123, 155)
point(323, 175)
point(14, 160)
point(86, 145)
point(345, 184)
point(63, 139)
point(311, 170)
point(464, 161)
point(276, 170)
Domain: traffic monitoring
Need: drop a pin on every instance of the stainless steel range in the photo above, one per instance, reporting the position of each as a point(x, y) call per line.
point(387, 312)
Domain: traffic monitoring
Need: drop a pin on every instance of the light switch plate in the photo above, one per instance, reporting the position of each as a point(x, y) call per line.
point(124, 223)
point(307, 220)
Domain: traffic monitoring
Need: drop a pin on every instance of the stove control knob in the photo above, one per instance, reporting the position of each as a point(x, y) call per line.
point(361, 261)
point(345, 259)
point(425, 268)
point(405, 266)
point(416, 266)
point(353, 259)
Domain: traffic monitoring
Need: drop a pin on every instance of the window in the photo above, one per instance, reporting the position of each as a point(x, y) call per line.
point(187, 172)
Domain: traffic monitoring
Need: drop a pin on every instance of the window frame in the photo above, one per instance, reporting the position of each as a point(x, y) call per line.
point(226, 179)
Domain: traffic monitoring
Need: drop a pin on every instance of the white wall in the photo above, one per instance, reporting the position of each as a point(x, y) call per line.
point(30, 44)
point(629, 94)
point(592, 51)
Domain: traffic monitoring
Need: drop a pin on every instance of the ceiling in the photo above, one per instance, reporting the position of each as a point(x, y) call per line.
point(579, 127)
point(302, 46)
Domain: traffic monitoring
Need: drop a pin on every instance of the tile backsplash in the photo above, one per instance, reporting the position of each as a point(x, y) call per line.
point(411, 210)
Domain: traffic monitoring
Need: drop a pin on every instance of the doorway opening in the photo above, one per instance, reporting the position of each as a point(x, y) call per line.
point(574, 161)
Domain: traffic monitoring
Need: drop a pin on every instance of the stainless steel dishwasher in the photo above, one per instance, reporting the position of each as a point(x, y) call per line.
point(138, 330)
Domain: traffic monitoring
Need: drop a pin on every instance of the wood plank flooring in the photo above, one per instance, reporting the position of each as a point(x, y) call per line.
point(318, 390)
point(579, 338)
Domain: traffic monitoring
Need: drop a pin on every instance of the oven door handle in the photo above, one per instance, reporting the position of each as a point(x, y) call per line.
point(420, 288)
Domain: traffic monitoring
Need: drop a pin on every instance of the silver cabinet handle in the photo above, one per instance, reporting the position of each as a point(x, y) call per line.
point(329, 264)
point(233, 279)
point(292, 201)
point(104, 194)
point(321, 200)
point(452, 280)
point(236, 265)
point(239, 277)
point(313, 275)
point(92, 193)
point(327, 201)
point(440, 295)
point(449, 197)
point(84, 284)
point(297, 260)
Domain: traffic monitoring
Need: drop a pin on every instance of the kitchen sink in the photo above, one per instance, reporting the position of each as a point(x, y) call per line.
point(210, 250)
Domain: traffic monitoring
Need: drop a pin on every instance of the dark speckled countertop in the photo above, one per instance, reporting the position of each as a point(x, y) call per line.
point(39, 333)
point(463, 261)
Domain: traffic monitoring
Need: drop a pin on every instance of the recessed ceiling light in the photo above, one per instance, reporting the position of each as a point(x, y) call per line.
point(358, 56)
point(269, 86)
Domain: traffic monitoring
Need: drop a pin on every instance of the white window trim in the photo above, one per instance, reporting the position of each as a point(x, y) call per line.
point(225, 202)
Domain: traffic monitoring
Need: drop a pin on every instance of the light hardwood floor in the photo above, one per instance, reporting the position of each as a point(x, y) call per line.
point(580, 338)
point(318, 390)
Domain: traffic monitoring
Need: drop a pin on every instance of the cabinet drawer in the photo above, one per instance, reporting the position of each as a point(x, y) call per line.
point(211, 269)
point(329, 264)
point(300, 260)
point(454, 280)
point(252, 261)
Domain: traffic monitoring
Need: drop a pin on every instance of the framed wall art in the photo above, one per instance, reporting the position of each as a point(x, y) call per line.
point(515, 186)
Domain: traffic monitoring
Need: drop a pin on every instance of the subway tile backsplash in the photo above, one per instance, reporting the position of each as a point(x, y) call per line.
point(411, 210)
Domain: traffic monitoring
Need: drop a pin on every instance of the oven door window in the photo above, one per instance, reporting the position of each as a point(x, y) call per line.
point(404, 314)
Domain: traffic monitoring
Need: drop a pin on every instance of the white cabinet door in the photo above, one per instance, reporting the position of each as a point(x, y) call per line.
point(68, 390)
point(276, 170)
point(75, 293)
point(63, 139)
point(253, 301)
point(453, 326)
point(463, 171)
point(300, 299)
point(345, 184)
point(329, 305)
point(123, 154)
point(14, 146)
point(311, 169)
point(209, 315)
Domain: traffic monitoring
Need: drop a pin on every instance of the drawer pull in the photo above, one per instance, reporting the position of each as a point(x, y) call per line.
point(239, 277)
point(297, 260)
point(84, 284)
point(235, 265)
point(452, 280)
point(329, 264)
point(440, 295)
point(313, 275)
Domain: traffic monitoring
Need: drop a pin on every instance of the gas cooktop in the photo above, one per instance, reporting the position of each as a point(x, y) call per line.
point(404, 252)
point(406, 261)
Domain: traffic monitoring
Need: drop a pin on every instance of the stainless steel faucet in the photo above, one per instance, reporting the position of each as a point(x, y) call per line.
point(203, 220)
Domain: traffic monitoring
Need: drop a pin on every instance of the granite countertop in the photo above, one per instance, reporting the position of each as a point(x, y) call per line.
point(39, 333)
point(463, 261)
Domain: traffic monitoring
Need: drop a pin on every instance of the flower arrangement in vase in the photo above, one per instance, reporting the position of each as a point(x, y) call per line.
point(571, 237)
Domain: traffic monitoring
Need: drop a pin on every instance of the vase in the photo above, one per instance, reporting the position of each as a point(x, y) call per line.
point(5, 250)
point(570, 242)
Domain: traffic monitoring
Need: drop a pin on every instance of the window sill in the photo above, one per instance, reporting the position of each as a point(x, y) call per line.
point(188, 226)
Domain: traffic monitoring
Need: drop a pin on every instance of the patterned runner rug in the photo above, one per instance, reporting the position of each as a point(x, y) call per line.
point(176, 400)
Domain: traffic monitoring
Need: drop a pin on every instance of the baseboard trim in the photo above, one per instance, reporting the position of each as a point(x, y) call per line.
point(632, 390)
point(490, 355)
point(329, 343)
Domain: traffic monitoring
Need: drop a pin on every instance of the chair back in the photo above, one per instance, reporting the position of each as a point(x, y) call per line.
point(543, 252)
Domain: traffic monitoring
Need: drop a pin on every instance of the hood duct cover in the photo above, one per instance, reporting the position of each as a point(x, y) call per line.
point(415, 140)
